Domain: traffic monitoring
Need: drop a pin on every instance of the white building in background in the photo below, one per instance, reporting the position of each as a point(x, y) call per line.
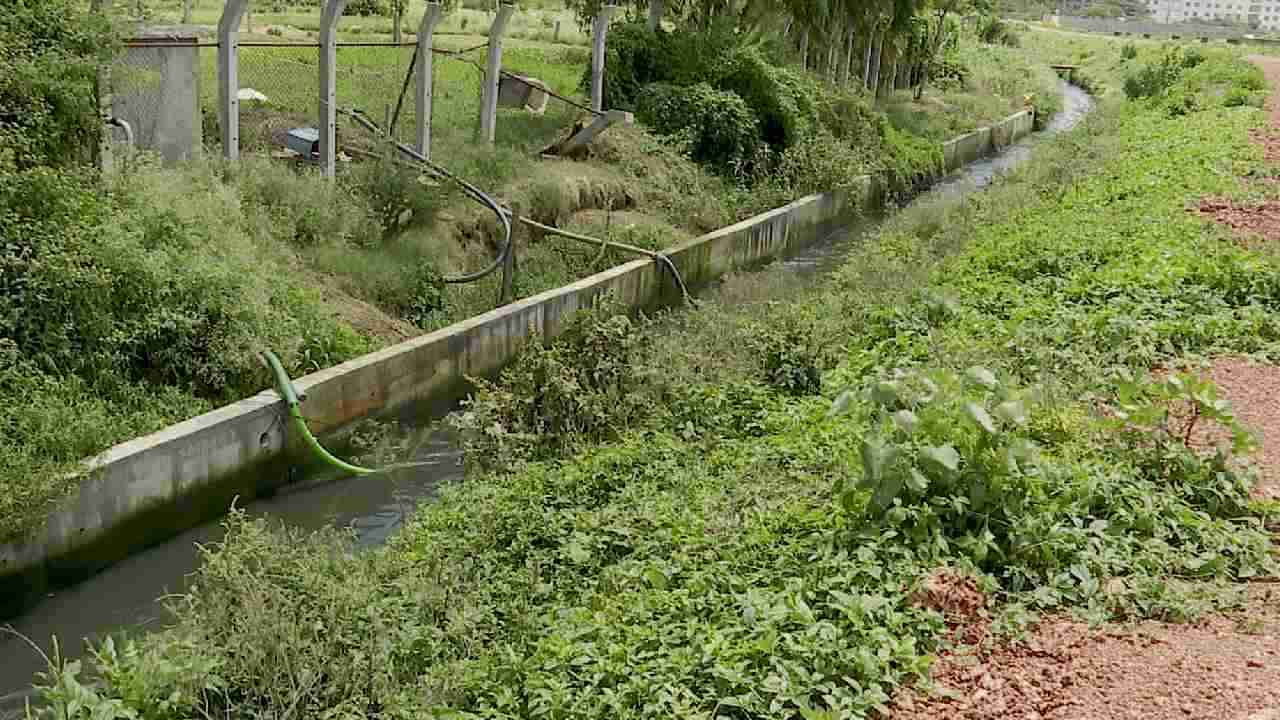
point(1261, 14)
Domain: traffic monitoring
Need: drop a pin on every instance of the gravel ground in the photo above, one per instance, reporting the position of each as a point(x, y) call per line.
point(1254, 392)
point(1255, 220)
point(1226, 667)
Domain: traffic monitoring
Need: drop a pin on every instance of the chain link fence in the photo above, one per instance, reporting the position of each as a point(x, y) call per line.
point(279, 91)
point(155, 89)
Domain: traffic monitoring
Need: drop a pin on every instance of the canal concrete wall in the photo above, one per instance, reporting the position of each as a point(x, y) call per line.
point(961, 151)
point(149, 489)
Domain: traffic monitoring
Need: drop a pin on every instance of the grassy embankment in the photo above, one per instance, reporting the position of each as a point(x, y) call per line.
point(145, 303)
point(740, 509)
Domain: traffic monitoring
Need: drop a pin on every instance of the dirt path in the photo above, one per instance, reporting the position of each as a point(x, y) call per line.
point(1225, 668)
point(1270, 137)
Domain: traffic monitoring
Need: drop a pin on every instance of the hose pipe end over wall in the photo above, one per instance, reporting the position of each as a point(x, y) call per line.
point(284, 387)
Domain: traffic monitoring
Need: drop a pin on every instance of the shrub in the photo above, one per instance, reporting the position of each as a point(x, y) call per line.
point(822, 163)
point(911, 162)
point(368, 8)
point(948, 73)
point(638, 56)
point(994, 31)
point(1129, 51)
point(578, 388)
point(782, 100)
point(715, 127)
point(1154, 78)
point(396, 194)
point(48, 70)
point(791, 361)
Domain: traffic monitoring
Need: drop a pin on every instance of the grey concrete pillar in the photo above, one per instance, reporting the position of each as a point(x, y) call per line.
point(655, 14)
point(164, 111)
point(329, 18)
point(599, 30)
point(426, 31)
point(492, 71)
point(228, 77)
point(106, 161)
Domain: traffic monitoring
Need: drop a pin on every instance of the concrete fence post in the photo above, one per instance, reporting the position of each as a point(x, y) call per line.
point(655, 14)
point(426, 31)
point(228, 77)
point(329, 18)
point(599, 30)
point(492, 71)
point(106, 160)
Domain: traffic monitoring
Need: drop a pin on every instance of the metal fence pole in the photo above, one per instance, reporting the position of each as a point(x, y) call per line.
point(329, 86)
point(493, 68)
point(599, 29)
point(228, 77)
point(422, 138)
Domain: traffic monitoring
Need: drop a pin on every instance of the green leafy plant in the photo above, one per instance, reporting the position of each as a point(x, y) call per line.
point(554, 396)
point(948, 459)
point(1168, 419)
point(791, 360)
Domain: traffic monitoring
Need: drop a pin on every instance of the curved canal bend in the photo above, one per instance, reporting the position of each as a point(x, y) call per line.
point(123, 598)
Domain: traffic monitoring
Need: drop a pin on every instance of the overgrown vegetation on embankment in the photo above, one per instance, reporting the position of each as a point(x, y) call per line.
point(139, 300)
point(737, 511)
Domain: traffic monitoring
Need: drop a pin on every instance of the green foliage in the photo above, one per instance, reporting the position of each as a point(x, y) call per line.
point(783, 100)
point(1159, 419)
point(1153, 79)
point(398, 194)
point(579, 388)
point(367, 8)
point(129, 309)
point(791, 360)
point(1129, 51)
point(994, 31)
point(52, 50)
point(714, 127)
point(741, 111)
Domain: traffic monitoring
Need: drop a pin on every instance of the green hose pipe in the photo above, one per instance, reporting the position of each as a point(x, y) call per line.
point(284, 386)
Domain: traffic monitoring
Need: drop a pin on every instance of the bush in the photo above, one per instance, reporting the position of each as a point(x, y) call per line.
point(48, 70)
point(949, 73)
point(1154, 78)
point(368, 8)
point(911, 163)
point(791, 361)
point(783, 100)
point(581, 387)
point(821, 163)
point(715, 127)
point(1129, 51)
point(638, 56)
point(396, 194)
point(994, 31)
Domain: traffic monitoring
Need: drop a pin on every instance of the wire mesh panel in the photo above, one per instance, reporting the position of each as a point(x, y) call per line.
point(155, 87)
point(375, 79)
point(543, 117)
point(279, 91)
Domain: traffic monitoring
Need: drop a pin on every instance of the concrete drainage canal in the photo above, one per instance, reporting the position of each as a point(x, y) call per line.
point(124, 598)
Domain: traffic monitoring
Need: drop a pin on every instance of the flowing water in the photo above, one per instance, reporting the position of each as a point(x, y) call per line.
point(124, 597)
